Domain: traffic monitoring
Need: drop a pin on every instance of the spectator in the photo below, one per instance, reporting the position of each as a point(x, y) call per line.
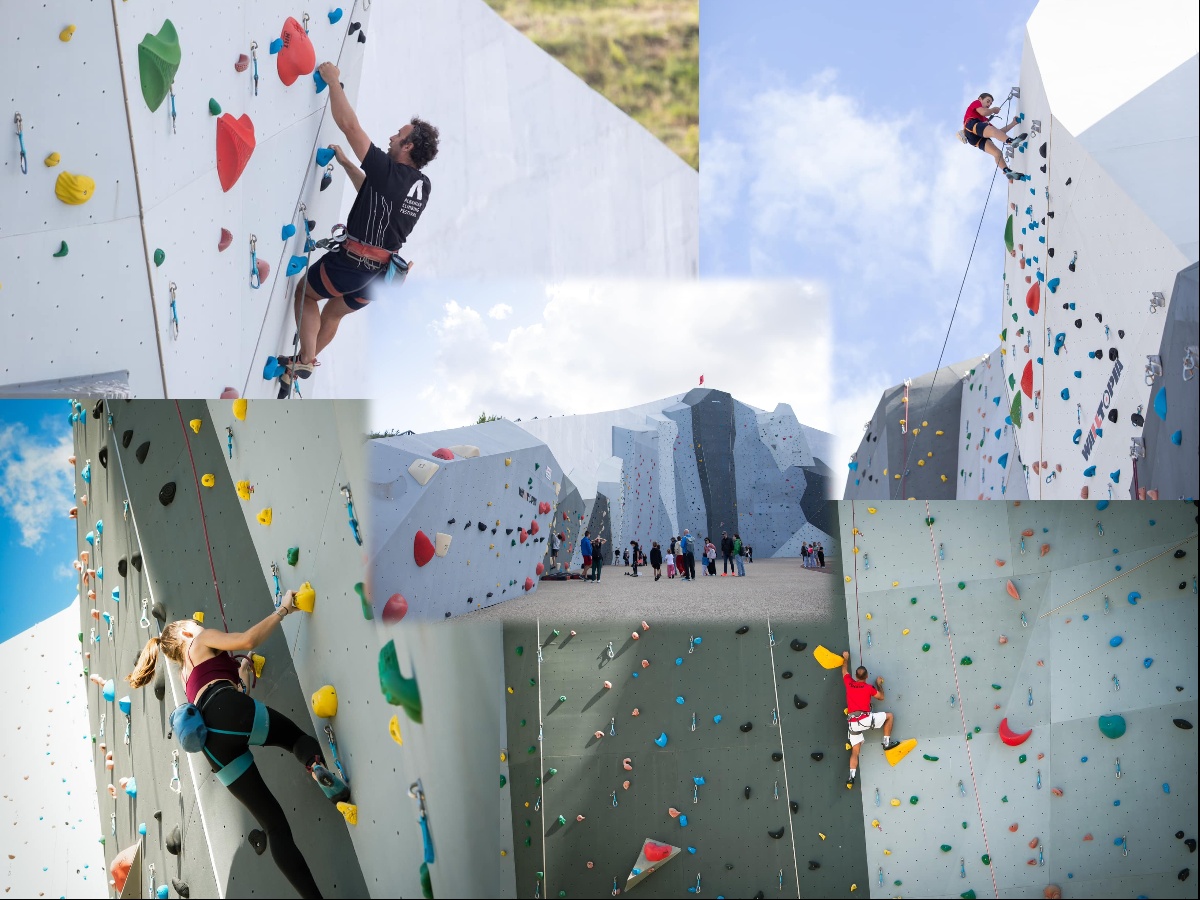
point(656, 559)
point(726, 554)
point(821, 555)
point(737, 553)
point(585, 548)
point(688, 543)
point(597, 558)
point(636, 552)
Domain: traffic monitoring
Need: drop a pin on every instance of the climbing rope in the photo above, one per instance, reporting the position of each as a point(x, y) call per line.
point(854, 554)
point(787, 792)
point(908, 414)
point(1119, 577)
point(958, 693)
point(207, 544)
point(541, 756)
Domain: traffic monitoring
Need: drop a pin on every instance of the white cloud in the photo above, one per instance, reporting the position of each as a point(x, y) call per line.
point(65, 572)
point(500, 311)
point(35, 480)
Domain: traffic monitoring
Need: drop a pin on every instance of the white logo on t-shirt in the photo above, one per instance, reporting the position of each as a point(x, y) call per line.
point(417, 191)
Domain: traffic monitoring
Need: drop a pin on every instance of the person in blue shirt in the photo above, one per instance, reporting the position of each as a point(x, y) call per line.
point(689, 555)
point(585, 548)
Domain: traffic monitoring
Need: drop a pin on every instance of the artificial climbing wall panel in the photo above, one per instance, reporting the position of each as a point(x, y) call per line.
point(525, 146)
point(110, 297)
point(1078, 317)
point(473, 534)
point(726, 680)
point(644, 514)
point(989, 464)
point(161, 549)
point(982, 616)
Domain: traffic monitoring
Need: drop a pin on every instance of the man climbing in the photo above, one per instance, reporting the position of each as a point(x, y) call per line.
point(392, 193)
point(978, 133)
point(859, 718)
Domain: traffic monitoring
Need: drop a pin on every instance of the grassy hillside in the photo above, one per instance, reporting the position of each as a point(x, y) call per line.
point(643, 55)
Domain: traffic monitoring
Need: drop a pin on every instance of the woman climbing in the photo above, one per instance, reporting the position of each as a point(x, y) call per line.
point(217, 685)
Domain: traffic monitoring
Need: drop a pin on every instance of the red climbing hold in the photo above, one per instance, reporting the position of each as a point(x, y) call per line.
point(533, 527)
point(1012, 590)
point(225, 240)
point(443, 453)
point(529, 584)
point(297, 57)
point(524, 534)
point(540, 569)
point(235, 143)
point(1010, 737)
point(395, 609)
point(1033, 297)
point(422, 548)
point(543, 508)
point(656, 852)
point(1027, 380)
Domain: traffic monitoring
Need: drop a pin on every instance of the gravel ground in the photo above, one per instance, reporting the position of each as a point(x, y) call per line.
point(780, 589)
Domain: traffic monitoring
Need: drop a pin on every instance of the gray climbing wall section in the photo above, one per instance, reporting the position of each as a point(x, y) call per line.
point(459, 519)
point(908, 449)
point(714, 431)
point(160, 551)
point(1102, 624)
point(1169, 469)
point(728, 849)
point(989, 461)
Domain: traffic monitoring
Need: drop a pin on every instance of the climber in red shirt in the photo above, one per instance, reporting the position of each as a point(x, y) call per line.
point(978, 133)
point(859, 718)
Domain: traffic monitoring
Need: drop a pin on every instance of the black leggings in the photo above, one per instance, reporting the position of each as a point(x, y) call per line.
point(230, 709)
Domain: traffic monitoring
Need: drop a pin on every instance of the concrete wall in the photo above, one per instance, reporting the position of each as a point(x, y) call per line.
point(105, 307)
point(907, 579)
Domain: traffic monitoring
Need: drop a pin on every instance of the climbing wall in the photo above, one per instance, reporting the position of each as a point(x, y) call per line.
point(1030, 617)
point(765, 816)
point(908, 447)
point(460, 519)
point(989, 465)
point(1171, 434)
point(526, 146)
point(161, 151)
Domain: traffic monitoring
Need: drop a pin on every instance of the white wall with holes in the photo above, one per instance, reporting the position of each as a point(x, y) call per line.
point(989, 462)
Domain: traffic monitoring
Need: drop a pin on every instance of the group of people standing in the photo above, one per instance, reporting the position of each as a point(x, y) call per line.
point(812, 556)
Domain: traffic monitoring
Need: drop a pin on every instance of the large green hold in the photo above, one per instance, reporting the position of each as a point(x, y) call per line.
point(398, 690)
point(1008, 235)
point(293, 555)
point(1014, 411)
point(158, 61)
point(1112, 726)
point(426, 882)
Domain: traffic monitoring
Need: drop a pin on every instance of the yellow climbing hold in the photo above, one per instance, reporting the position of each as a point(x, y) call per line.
point(872, 510)
point(939, 433)
point(195, 423)
point(208, 479)
point(920, 462)
point(52, 160)
point(924, 424)
point(349, 812)
point(895, 802)
point(848, 579)
point(854, 887)
point(325, 702)
point(868, 619)
point(944, 479)
point(895, 584)
point(73, 189)
point(394, 730)
point(510, 690)
point(827, 658)
point(306, 598)
point(821, 835)
point(67, 33)
point(855, 549)
point(264, 517)
point(503, 756)
point(905, 631)
point(198, 617)
point(901, 750)
point(889, 852)
point(259, 662)
point(239, 409)
point(243, 489)
point(508, 460)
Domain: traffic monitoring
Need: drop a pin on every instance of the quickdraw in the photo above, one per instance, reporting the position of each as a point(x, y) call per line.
point(21, 141)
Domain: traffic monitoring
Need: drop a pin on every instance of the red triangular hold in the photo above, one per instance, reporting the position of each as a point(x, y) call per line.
point(656, 852)
point(1033, 297)
point(297, 57)
point(235, 144)
point(1027, 379)
point(422, 548)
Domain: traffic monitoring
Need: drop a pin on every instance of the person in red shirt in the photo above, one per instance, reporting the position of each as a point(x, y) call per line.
point(859, 718)
point(978, 133)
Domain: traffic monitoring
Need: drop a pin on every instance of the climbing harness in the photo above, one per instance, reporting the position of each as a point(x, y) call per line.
point(174, 313)
point(21, 141)
point(349, 498)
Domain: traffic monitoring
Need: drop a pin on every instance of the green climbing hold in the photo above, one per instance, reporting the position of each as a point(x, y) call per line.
point(562, 820)
point(946, 848)
point(1004, 799)
point(995, 687)
point(528, 842)
point(1022, 758)
point(398, 690)
point(426, 882)
point(63, 250)
point(966, 660)
point(562, 698)
point(159, 257)
point(987, 859)
point(933, 618)
point(1014, 411)
point(537, 780)
point(532, 682)
point(913, 600)
point(1008, 235)
point(522, 723)
point(962, 585)
point(964, 825)
point(978, 729)
point(929, 520)
point(924, 648)
point(1112, 726)
point(361, 590)
point(532, 749)
point(932, 758)
point(968, 895)
point(552, 773)
point(214, 108)
point(555, 632)
point(520, 651)
point(158, 61)
point(293, 555)
point(913, 800)
point(503, 780)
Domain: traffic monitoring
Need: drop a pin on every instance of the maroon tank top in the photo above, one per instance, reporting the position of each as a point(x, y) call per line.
point(217, 668)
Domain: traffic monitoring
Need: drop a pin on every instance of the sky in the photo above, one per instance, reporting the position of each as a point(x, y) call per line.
point(37, 540)
point(448, 350)
point(827, 154)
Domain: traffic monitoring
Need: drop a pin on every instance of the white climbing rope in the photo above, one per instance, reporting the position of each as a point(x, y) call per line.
point(787, 791)
point(541, 755)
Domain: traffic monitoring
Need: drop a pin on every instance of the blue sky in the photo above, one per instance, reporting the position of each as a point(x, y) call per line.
point(827, 153)
point(37, 540)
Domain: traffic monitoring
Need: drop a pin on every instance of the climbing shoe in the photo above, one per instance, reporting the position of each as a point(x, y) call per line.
point(1016, 140)
point(293, 364)
point(335, 789)
point(850, 781)
point(890, 742)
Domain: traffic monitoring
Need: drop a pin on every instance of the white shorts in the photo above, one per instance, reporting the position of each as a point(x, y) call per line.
point(855, 730)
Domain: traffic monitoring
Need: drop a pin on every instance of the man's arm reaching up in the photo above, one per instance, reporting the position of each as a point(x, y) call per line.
point(343, 113)
point(357, 175)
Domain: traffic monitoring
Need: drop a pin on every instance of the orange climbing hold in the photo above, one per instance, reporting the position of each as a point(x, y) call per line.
point(1010, 737)
point(674, 813)
point(1045, 549)
point(1012, 827)
point(297, 57)
point(443, 453)
point(540, 569)
point(529, 584)
point(1027, 380)
point(1012, 590)
point(1028, 532)
point(423, 549)
point(235, 144)
point(999, 562)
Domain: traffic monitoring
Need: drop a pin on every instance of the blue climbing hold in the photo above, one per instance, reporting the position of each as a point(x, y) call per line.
point(162, 892)
point(273, 368)
point(1148, 661)
point(1060, 341)
point(717, 719)
point(698, 640)
point(1078, 373)
point(691, 850)
point(1089, 471)
point(1083, 759)
point(1134, 596)
point(90, 538)
point(1099, 432)
point(1086, 617)
point(1116, 641)
point(131, 787)
point(125, 705)
point(854, 465)
point(1160, 403)
point(1166, 788)
point(100, 573)
point(1177, 438)
point(1065, 393)
point(1003, 460)
point(116, 594)
point(99, 526)
point(679, 660)
point(698, 780)
point(1041, 276)
point(288, 230)
point(1053, 284)
point(276, 45)
point(296, 265)
point(683, 821)
point(661, 740)
point(110, 690)
point(324, 155)
point(1112, 726)
point(1115, 476)
point(1076, 436)
point(679, 700)
point(335, 16)
point(87, 473)
point(635, 674)
point(1101, 504)
point(319, 82)
point(996, 400)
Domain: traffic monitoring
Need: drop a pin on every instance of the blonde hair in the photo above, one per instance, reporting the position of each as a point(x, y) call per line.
point(170, 643)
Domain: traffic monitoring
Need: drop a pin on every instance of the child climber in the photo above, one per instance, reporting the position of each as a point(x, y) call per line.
point(216, 684)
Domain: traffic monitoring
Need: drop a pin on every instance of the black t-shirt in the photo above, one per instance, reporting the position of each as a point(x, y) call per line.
point(392, 198)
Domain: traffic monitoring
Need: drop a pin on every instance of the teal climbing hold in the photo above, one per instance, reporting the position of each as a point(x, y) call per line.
point(1089, 471)
point(324, 155)
point(661, 740)
point(159, 257)
point(1134, 596)
point(1112, 726)
point(966, 661)
point(1177, 438)
point(398, 690)
point(962, 585)
point(946, 848)
point(931, 758)
point(520, 651)
point(1101, 504)
point(1003, 460)
point(1116, 641)
point(679, 700)
point(1160, 403)
point(62, 251)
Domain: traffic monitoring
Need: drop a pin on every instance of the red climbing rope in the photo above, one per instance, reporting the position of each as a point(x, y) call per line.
point(854, 553)
point(200, 499)
point(958, 692)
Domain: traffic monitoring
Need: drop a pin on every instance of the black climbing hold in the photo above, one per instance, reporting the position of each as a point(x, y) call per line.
point(1113, 415)
point(122, 567)
point(798, 645)
point(813, 865)
point(746, 792)
point(1182, 585)
point(489, 595)
point(258, 840)
point(1112, 354)
point(174, 841)
point(468, 525)
point(1179, 835)
point(159, 612)
point(160, 682)
point(354, 26)
point(1050, 214)
point(776, 756)
point(126, 438)
point(760, 896)
point(786, 675)
point(800, 704)
point(1043, 168)
point(1121, 333)
point(746, 726)
point(817, 756)
point(97, 409)
point(1179, 687)
point(1100, 318)
point(729, 866)
point(743, 629)
point(1180, 553)
point(136, 561)
point(181, 888)
point(1042, 150)
point(141, 452)
point(158, 818)
point(508, 531)
point(166, 493)
point(1138, 419)
point(103, 456)
point(494, 530)
point(1051, 252)
point(1079, 323)
point(1066, 306)
point(482, 526)
point(795, 805)
point(1183, 874)
point(1071, 265)
point(451, 521)
point(778, 833)
point(1098, 354)
point(1184, 724)
point(362, 37)
point(1191, 844)
point(1068, 181)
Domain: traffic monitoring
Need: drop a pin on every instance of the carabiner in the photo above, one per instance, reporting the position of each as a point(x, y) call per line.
point(21, 141)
